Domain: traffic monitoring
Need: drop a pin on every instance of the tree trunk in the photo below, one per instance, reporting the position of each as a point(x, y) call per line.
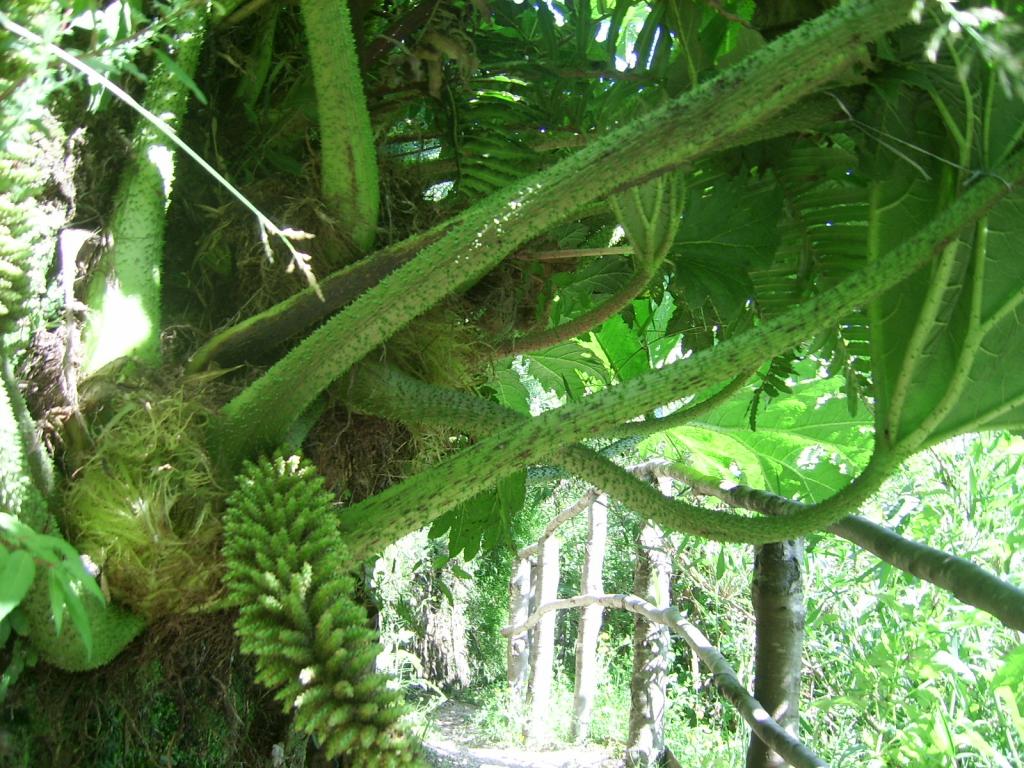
point(651, 647)
point(542, 648)
point(778, 597)
point(518, 612)
point(590, 620)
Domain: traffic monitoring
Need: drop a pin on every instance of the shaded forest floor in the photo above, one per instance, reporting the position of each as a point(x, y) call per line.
point(454, 742)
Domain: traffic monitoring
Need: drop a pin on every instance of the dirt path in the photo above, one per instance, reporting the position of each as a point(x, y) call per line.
point(454, 743)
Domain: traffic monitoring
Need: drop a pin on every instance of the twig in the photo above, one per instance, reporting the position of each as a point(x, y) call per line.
point(567, 514)
point(573, 253)
point(966, 581)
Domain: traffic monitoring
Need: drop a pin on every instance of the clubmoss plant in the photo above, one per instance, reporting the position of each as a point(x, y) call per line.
point(289, 571)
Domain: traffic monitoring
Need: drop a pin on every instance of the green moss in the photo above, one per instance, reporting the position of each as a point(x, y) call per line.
point(182, 697)
point(144, 506)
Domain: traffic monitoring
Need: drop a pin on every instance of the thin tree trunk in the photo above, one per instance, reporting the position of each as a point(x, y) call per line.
point(722, 674)
point(518, 612)
point(651, 646)
point(542, 649)
point(590, 620)
point(778, 596)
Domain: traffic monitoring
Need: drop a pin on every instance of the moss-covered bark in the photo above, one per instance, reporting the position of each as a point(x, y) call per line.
point(111, 628)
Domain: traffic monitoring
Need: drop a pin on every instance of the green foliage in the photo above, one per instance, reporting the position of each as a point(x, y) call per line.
point(729, 229)
point(29, 139)
point(485, 521)
point(288, 569)
point(806, 444)
point(907, 675)
point(500, 91)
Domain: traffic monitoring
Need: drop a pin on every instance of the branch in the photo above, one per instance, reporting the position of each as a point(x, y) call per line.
point(707, 119)
point(573, 253)
point(388, 393)
point(968, 582)
point(557, 522)
point(761, 723)
point(580, 325)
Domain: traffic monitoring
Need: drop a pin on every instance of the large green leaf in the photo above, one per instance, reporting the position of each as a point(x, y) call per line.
point(806, 446)
point(623, 349)
point(948, 344)
point(590, 284)
point(728, 228)
point(564, 367)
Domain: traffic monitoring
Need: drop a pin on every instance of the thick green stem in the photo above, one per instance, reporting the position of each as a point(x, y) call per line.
point(712, 117)
point(410, 504)
point(348, 159)
point(124, 295)
point(390, 393)
point(684, 415)
point(257, 338)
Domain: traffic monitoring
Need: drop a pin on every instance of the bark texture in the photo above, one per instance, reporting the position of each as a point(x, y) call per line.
point(518, 647)
point(542, 648)
point(651, 653)
point(590, 620)
point(778, 596)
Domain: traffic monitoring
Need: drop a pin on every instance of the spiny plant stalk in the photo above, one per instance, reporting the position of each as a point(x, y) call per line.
point(124, 295)
point(393, 394)
point(348, 159)
point(707, 119)
point(289, 571)
point(408, 505)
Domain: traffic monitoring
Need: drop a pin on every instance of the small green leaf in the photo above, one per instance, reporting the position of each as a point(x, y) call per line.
point(79, 618)
point(16, 575)
point(19, 622)
point(1011, 674)
point(720, 566)
point(53, 583)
